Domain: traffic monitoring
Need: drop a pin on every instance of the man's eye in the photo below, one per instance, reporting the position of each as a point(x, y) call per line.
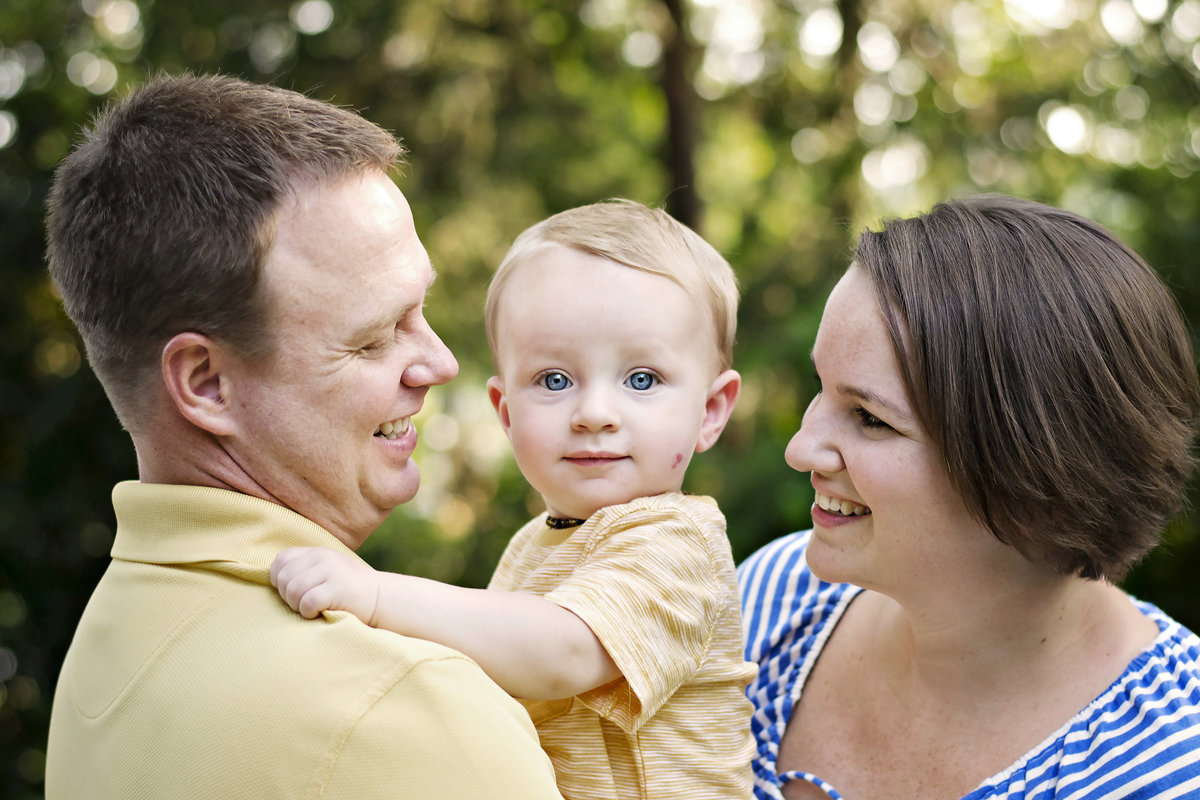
point(554, 381)
point(641, 381)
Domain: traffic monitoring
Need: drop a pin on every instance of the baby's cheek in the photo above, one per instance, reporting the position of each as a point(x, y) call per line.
point(678, 460)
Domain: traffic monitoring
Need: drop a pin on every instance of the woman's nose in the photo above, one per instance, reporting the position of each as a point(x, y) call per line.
point(814, 447)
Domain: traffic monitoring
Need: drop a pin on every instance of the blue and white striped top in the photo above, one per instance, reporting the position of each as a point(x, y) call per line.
point(1139, 739)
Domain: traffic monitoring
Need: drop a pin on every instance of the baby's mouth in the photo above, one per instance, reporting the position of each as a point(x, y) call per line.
point(394, 429)
point(843, 507)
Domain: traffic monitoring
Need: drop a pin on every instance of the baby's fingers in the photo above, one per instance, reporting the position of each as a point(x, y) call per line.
point(311, 579)
point(312, 602)
point(292, 589)
point(288, 563)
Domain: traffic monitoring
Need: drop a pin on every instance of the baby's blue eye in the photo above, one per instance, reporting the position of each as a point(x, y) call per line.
point(641, 381)
point(555, 381)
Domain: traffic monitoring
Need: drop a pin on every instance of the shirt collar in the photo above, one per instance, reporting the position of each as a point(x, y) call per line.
point(234, 532)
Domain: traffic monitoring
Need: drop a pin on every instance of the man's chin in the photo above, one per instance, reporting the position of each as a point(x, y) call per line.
point(400, 490)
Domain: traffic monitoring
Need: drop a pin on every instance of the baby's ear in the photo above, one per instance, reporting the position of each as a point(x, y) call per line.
point(193, 372)
point(722, 397)
point(495, 387)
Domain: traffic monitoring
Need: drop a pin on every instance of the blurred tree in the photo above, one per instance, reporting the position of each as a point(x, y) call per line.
point(777, 129)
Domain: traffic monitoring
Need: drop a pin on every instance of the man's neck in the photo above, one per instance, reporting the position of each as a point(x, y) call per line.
point(184, 455)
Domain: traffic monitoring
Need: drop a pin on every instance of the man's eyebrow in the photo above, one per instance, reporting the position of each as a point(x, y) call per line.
point(368, 328)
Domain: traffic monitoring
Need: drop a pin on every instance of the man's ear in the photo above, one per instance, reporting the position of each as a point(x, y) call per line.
point(495, 387)
point(722, 397)
point(192, 365)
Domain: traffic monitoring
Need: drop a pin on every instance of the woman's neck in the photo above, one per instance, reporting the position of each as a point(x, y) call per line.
point(1019, 634)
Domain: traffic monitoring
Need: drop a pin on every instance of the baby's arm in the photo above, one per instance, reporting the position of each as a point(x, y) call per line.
point(532, 647)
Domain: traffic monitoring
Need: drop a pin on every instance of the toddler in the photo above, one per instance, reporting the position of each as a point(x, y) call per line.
point(614, 616)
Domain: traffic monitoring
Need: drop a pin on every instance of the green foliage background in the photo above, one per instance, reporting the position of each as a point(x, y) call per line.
point(777, 129)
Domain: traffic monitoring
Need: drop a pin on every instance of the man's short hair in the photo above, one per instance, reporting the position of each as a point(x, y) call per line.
point(1051, 368)
point(161, 217)
point(639, 237)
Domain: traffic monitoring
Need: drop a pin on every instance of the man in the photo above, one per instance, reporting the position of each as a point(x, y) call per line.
point(249, 285)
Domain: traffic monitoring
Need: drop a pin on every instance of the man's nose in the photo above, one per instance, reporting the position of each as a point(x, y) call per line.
point(433, 363)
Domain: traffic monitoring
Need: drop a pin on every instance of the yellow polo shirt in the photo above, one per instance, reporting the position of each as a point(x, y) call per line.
point(189, 677)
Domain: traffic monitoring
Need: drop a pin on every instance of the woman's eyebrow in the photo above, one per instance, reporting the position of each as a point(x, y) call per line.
point(874, 398)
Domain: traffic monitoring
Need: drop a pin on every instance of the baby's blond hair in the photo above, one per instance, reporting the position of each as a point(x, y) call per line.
point(636, 236)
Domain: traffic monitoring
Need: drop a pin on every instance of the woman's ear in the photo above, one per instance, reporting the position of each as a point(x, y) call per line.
point(722, 397)
point(495, 387)
point(192, 365)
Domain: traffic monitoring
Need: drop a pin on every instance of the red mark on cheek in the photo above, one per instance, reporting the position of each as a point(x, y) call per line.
point(678, 460)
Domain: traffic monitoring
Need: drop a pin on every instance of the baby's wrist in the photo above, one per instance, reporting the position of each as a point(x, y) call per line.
point(373, 618)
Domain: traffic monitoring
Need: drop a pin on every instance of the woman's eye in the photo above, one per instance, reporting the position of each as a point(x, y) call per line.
point(869, 420)
point(554, 381)
point(641, 381)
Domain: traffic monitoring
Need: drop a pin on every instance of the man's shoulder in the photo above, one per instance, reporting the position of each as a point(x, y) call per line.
point(335, 643)
point(345, 637)
point(388, 668)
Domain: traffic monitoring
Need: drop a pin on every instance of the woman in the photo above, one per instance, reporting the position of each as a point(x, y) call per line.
point(1004, 427)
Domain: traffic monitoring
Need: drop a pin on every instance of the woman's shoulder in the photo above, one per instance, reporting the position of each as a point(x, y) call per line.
point(1170, 665)
point(774, 576)
point(1171, 632)
point(1164, 678)
point(785, 553)
point(1140, 738)
point(782, 600)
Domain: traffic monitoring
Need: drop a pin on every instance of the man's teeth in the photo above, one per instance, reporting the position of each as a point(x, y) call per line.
point(843, 507)
point(394, 429)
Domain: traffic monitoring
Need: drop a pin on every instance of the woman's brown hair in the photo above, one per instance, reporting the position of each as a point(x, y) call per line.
point(1052, 369)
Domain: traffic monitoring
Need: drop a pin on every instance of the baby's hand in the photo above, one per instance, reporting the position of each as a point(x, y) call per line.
point(316, 579)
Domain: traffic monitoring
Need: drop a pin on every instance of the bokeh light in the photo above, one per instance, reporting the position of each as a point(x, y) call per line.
point(732, 31)
point(877, 48)
point(12, 74)
point(809, 145)
point(1122, 22)
point(1150, 10)
point(97, 75)
point(873, 103)
point(907, 77)
point(8, 128)
point(270, 45)
point(1185, 22)
point(1037, 16)
point(821, 34)
point(1066, 126)
point(311, 17)
point(897, 165)
point(641, 49)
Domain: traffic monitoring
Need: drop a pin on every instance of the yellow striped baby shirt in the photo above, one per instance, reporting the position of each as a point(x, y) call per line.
point(655, 580)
